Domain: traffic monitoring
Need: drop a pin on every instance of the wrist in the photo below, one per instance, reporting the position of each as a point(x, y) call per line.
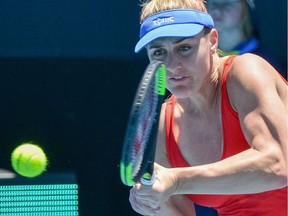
point(185, 180)
point(177, 180)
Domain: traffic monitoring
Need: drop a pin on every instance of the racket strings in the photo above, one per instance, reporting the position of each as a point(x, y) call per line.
point(143, 129)
point(141, 134)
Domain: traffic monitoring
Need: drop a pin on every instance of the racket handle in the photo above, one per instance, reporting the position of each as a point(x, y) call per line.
point(149, 181)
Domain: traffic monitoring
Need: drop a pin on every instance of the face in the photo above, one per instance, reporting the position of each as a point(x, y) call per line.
point(187, 61)
point(227, 14)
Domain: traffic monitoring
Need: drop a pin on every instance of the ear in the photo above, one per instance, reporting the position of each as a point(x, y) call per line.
point(214, 39)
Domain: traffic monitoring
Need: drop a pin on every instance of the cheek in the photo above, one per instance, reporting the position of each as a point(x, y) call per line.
point(203, 68)
point(203, 56)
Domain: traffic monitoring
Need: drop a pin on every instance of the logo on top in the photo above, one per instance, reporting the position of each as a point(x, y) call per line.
point(160, 21)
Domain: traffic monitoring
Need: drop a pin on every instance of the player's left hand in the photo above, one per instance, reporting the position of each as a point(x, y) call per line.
point(147, 200)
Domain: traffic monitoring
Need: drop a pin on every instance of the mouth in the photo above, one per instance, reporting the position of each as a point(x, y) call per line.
point(178, 78)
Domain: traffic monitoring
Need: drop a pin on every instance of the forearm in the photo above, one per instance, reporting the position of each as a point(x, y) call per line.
point(246, 172)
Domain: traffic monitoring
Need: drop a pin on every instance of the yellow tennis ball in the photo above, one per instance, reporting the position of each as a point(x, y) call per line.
point(29, 160)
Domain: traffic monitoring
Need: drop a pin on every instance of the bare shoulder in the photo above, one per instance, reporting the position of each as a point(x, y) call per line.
point(251, 77)
point(250, 66)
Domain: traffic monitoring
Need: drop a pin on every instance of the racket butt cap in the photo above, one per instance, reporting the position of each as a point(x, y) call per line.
point(150, 180)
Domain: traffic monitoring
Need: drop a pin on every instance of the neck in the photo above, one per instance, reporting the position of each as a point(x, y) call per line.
point(207, 97)
point(198, 105)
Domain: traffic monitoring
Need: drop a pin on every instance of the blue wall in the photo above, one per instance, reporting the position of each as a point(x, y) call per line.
point(68, 28)
point(103, 28)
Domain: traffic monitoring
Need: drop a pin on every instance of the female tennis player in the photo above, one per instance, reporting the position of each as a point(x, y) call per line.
point(222, 139)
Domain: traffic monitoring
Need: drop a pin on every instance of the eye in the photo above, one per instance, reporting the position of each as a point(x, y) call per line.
point(157, 53)
point(184, 50)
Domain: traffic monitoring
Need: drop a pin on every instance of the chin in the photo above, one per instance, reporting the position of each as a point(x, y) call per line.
point(183, 91)
point(182, 94)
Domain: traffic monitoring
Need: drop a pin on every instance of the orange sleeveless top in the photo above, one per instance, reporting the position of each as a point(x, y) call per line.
point(269, 203)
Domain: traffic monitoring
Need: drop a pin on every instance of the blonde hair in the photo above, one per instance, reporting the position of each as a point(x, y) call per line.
point(150, 7)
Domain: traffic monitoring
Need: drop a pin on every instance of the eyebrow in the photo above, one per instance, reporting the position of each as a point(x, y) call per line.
point(155, 45)
point(179, 40)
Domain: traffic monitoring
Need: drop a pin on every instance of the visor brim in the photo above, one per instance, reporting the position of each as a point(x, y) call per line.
point(178, 30)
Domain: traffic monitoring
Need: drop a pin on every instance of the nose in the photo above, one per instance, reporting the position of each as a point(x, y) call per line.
point(172, 63)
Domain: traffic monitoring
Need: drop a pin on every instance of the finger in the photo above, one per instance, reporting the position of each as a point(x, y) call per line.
point(143, 206)
point(149, 200)
point(142, 190)
point(154, 212)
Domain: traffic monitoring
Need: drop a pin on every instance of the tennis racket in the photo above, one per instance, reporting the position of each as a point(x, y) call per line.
point(139, 145)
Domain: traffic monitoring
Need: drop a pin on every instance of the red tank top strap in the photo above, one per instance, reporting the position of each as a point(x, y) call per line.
point(227, 66)
point(233, 137)
point(225, 98)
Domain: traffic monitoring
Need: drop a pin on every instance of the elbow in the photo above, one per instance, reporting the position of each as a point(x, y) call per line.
point(283, 183)
point(279, 171)
point(276, 180)
point(282, 177)
point(282, 174)
point(276, 168)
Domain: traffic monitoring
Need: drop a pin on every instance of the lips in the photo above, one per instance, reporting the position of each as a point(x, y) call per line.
point(178, 78)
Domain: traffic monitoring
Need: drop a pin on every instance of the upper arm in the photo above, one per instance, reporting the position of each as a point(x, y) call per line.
point(259, 96)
